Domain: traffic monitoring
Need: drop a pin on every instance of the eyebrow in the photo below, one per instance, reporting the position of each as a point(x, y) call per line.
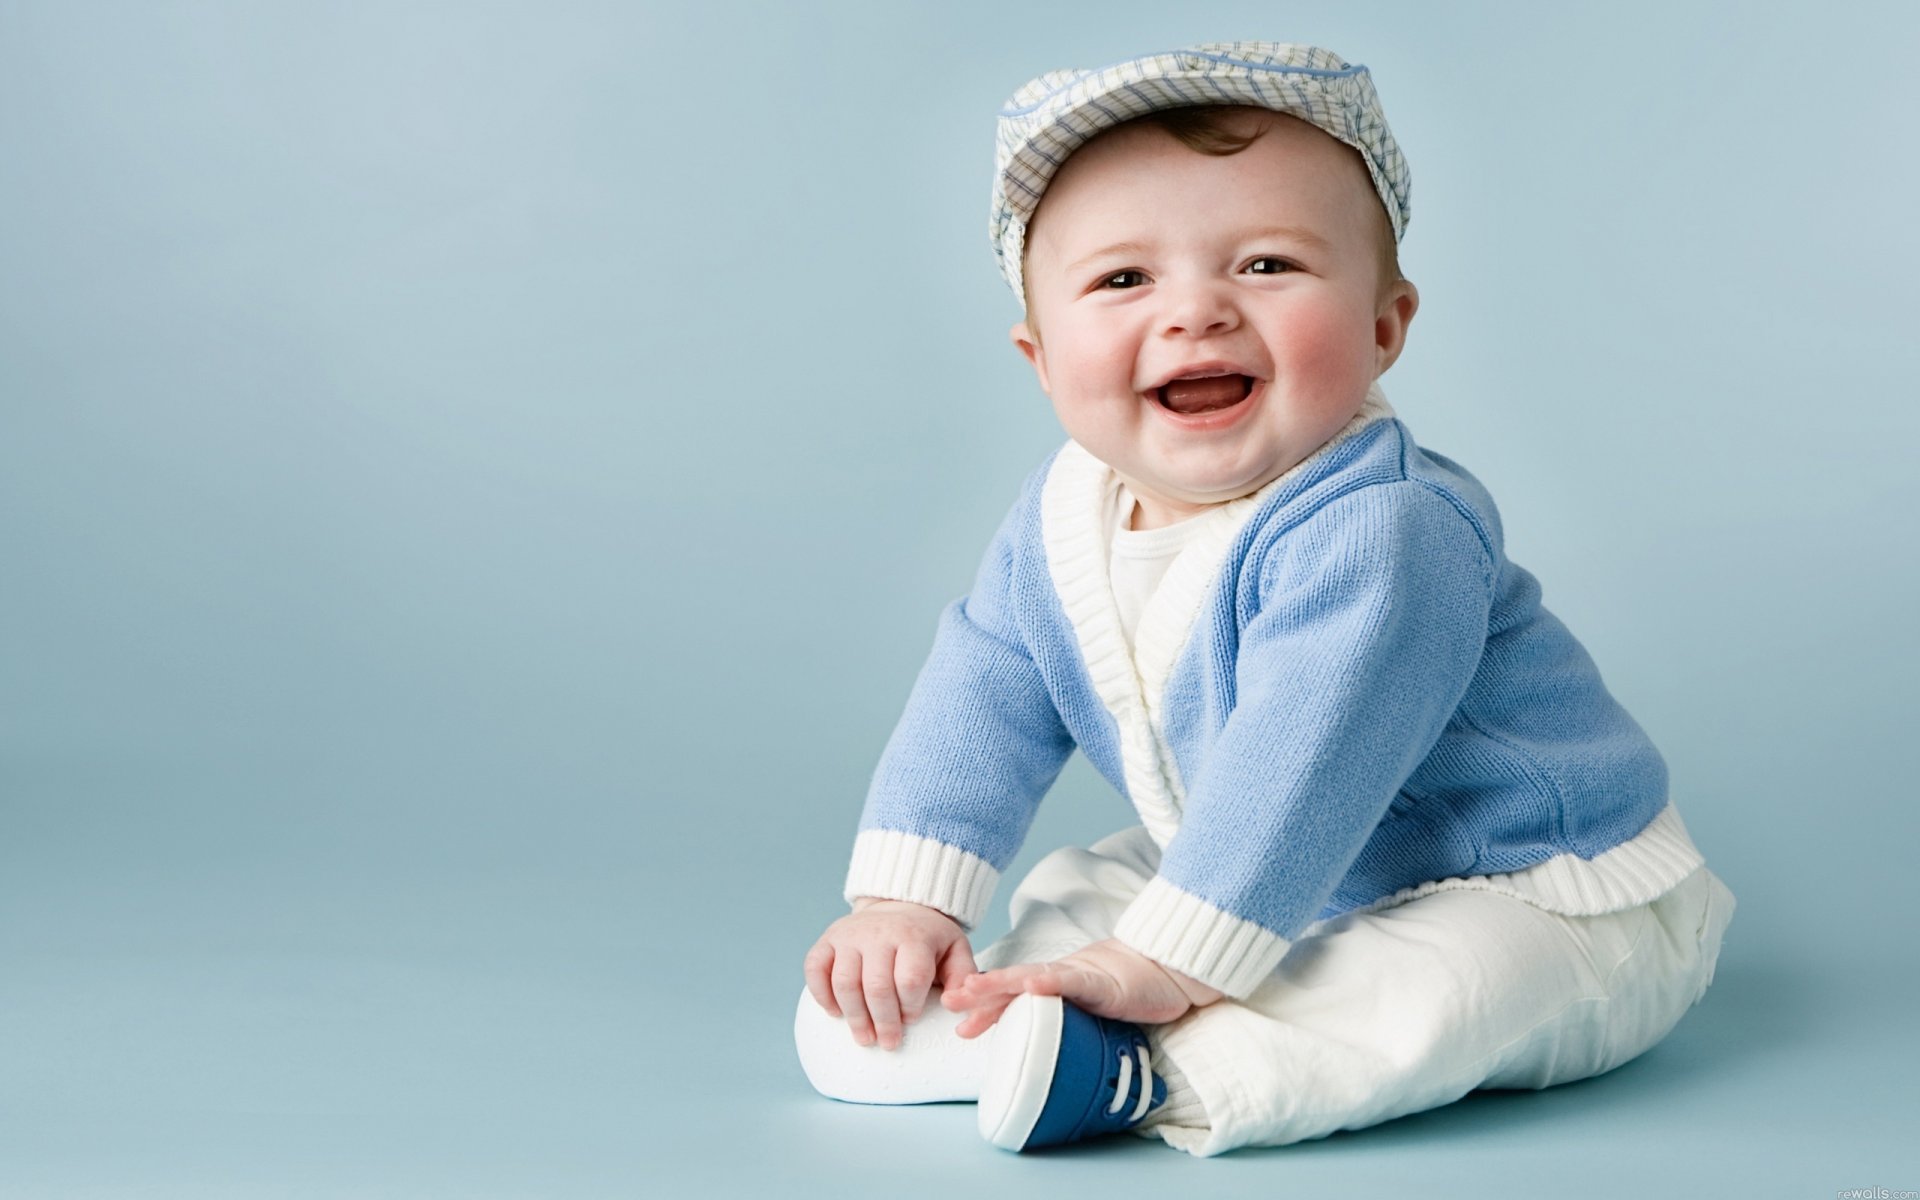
point(1301, 234)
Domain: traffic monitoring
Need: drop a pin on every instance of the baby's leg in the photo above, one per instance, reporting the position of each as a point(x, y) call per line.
point(1072, 898)
point(1373, 1016)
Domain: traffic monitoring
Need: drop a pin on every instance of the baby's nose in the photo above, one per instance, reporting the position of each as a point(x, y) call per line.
point(1198, 309)
point(1199, 324)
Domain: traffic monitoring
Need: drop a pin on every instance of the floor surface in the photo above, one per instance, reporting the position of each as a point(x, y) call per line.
point(243, 1075)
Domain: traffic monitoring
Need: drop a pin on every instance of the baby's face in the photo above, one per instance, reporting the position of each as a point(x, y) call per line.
point(1147, 261)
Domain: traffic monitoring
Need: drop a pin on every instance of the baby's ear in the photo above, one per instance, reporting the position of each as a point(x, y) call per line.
point(1390, 327)
point(1029, 346)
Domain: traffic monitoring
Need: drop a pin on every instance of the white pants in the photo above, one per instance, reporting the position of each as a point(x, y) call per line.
point(1375, 1015)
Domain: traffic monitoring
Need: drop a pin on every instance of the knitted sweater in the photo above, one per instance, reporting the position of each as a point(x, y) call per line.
point(1342, 695)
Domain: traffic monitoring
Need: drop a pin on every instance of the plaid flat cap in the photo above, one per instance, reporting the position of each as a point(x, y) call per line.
point(1052, 116)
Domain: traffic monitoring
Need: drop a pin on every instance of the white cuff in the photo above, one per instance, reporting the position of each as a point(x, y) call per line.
point(892, 865)
point(1182, 931)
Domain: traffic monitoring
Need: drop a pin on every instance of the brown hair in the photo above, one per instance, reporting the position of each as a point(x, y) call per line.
point(1204, 128)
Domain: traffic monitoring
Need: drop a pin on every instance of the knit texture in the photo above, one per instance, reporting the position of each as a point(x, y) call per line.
point(1341, 695)
point(1182, 1107)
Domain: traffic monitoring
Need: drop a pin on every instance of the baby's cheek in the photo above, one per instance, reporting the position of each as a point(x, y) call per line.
point(1329, 353)
point(1095, 401)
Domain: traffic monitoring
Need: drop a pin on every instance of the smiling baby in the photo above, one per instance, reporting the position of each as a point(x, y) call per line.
point(1396, 841)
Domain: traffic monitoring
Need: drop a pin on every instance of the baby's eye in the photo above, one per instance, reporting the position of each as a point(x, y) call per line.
point(1279, 265)
point(1108, 281)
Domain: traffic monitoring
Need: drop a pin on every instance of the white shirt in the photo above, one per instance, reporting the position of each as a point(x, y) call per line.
point(1139, 558)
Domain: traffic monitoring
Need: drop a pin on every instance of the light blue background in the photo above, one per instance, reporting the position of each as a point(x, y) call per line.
point(477, 483)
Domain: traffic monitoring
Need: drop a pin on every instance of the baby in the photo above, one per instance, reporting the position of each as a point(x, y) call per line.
point(1396, 841)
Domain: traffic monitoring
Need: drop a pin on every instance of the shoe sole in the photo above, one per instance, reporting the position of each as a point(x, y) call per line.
point(1020, 1066)
point(933, 1064)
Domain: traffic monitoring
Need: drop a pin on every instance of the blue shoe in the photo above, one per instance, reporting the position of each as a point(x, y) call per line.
point(1057, 1073)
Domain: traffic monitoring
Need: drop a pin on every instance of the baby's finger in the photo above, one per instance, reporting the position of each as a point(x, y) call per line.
point(882, 1002)
point(960, 994)
point(1046, 983)
point(846, 989)
point(982, 1018)
point(1091, 990)
point(969, 990)
point(956, 964)
point(913, 976)
point(819, 962)
point(1006, 982)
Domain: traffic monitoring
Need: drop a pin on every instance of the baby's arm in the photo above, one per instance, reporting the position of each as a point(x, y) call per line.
point(1372, 619)
point(979, 743)
point(875, 965)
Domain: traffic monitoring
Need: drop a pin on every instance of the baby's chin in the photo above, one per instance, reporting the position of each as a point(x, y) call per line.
point(1170, 499)
point(1213, 484)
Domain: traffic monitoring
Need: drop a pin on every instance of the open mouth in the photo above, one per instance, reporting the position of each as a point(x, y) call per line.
point(1190, 397)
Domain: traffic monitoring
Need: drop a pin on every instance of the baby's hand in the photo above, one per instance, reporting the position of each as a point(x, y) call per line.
point(875, 965)
point(1108, 979)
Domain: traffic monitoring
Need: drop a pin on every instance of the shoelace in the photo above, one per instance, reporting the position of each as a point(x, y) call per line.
point(1126, 1076)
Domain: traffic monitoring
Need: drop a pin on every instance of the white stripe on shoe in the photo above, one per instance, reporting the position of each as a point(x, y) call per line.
point(1146, 1087)
point(1120, 1092)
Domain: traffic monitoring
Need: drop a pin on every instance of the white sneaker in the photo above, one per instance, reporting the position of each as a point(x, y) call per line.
point(931, 1064)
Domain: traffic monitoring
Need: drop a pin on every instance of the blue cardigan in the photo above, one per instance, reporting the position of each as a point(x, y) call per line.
point(1342, 696)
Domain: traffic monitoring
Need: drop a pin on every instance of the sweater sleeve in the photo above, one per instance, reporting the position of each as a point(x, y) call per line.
point(1372, 620)
point(978, 745)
